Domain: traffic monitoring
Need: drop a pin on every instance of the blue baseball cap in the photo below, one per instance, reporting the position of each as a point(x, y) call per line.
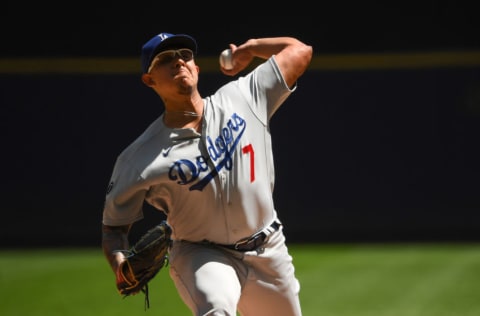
point(162, 42)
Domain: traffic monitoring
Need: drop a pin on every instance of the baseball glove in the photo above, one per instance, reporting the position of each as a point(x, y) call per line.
point(143, 261)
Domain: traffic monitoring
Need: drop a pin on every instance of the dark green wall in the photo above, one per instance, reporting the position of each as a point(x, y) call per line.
point(370, 147)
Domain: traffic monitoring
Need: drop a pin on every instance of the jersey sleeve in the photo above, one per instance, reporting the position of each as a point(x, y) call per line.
point(267, 89)
point(125, 196)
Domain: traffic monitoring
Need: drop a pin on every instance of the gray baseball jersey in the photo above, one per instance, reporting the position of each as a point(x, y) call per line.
point(216, 185)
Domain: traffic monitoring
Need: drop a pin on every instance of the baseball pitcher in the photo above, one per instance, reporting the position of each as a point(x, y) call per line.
point(207, 163)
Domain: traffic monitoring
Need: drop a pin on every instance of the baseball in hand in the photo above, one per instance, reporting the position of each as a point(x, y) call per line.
point(226, 59)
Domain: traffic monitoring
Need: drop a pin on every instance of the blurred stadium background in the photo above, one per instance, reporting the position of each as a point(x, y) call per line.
point(379, 143)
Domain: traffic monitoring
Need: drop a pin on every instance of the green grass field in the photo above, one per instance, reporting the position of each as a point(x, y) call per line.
point(337, 280)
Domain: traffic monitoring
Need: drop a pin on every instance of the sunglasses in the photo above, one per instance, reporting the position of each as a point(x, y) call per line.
point(167, 56)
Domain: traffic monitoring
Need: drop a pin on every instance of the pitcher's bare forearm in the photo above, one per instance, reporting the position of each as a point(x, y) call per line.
point(114, 238)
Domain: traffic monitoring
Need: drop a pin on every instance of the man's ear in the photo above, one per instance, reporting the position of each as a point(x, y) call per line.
point(148, 80)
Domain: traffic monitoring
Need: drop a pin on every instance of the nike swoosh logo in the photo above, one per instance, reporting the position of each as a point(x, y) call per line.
point(166, 151)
